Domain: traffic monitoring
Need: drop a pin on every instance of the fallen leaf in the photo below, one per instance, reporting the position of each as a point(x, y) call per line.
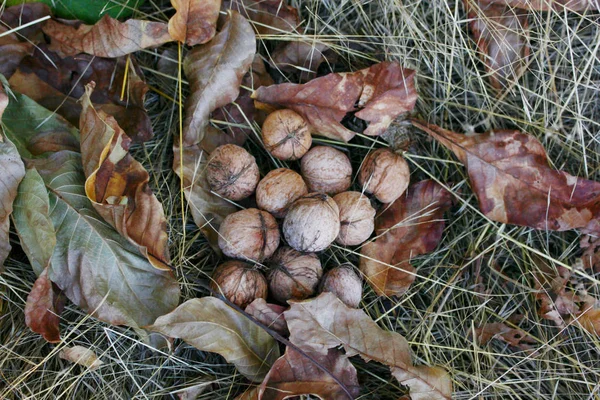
point(325, 322)
point(23, 14)
point(249, 394)
point(589, 319)
point(210, 325)
point(514, 184)
point(300, 56)
point(81, 355)
point(325, 101)
point(499, 330)
point(294, 374)
point(268, 17)
point(270, 315)
point(409, 227)
point(107, 38)
point(11, 55)
point(214, 71)
point(43, 307)
point(195, 21)
point(500, 33)
point(117, 184)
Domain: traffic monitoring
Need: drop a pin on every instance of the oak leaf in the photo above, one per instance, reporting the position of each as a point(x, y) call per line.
point(211, 325)
point(325, 101)
point(409, 227)
point(270, 315)
point(81, 355)
point(214, 71)
point(43, 307)
point(294, 374)
point(325, 322)
point(195, 21)
point(514, 183)
point(107, 38)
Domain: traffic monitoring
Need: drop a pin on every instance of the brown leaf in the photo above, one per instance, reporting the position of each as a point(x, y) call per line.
point(409, 227)
point(22, 14)
point(305, 57)
point(249, 394)
point(215, 71)
point(270, 315)
point(117, 184)
point(268, 17)
point(500, 33)
point(325, 101)
point(11, 55)
point(108, 37)
point(325, 322)
point(294, 374)
point(514, 184)
point(81, 355)
point(195, 21)
point(58, 82)
point(589, 319)
point(501, 331)
point(43, 307)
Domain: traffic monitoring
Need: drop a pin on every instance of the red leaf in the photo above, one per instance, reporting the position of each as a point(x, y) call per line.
point(43, 307)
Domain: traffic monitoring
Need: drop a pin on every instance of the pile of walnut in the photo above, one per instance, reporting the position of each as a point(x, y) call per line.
point(310, 219)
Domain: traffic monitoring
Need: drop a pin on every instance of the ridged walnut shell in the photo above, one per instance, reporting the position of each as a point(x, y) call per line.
point(293, 275)
point(385, 174)
point(344, 283)
point(312, 223)
point(232, 172)
point(286, 135)
point(249, 234)
point(357, 218)
point(239, 282)
point(278, 190)
point(326, 170)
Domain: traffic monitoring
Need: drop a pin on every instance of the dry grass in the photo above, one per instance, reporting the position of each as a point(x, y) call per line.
point(481, 272)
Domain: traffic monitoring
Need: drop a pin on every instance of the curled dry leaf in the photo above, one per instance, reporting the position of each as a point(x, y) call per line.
point(294, 374)
point(498, 330)
point(210, 325)
point(43, 307)
point(409, 227)
point(81, 355)
point(215, 71)
point(325, 101)
point(500, 33)
point(514, 183)
point(268, 17)
point(270, 315)
point(325, 322)
point(117, 184)
point(195, 21)
point(107, 38)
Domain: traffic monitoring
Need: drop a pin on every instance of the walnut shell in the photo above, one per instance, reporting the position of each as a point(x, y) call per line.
point(249, 234)
point(357, 218)
point(232, 172)
point(286, 135)
point(312, 222)
point(344, 283)
point(293, 275)
point(326, 170)
point(239, 282)
point(278, 190)
point(385, 174)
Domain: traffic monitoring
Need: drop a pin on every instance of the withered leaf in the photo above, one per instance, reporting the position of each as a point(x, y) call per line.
point(108, 37)
point(305, 57)
point(23, 14)
point(514, 183)
point(268, 17)
point(195, 21)
point(43, 307)
point(325, 101)
point(409, 227)
point(514, 337)
point(117, 184)
point(500, 33)
point(270, 315)
point(81, 355)
point(210, 325)
point(215, 71)
point(325, 322)
point(294, 374)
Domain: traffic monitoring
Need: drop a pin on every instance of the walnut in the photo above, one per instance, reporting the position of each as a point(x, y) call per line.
point(326, 170)
point(286, 135)
point(344, 283)
point(357, 218)
point(278, 190)
point(312, 222)
point(249, 234)
point(293, 275)
point(232, 172)
point(239, 282)
point(385, 174)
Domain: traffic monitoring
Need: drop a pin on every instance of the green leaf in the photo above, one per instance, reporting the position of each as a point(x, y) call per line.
point(210, 325)
point(30, 217)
